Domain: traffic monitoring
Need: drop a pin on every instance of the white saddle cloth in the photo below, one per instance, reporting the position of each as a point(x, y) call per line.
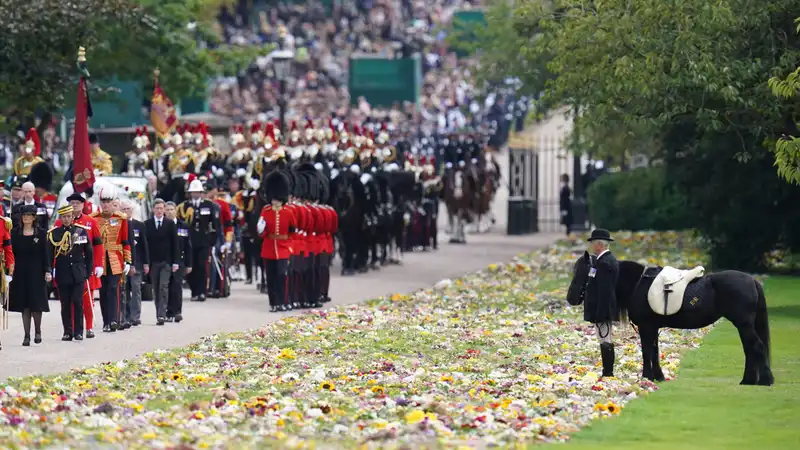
point(666, 293)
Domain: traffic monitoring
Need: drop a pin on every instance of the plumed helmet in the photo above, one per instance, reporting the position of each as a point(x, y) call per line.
point(276, 186)
point(32, 143)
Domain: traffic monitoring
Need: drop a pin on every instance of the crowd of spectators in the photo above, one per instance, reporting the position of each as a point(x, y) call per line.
point(324, 36)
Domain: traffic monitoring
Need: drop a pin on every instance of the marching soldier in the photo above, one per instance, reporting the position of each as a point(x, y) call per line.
point(116, 260)
point(201, 216)
point(71, 247)
point(101, 161)
point(273, 226)
point(30, 155)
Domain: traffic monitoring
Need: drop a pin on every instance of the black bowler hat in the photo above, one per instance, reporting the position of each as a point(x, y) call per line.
point(77, 197)
point(600, 234)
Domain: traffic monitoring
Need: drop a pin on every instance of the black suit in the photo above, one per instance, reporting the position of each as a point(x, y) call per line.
point(72, 269)
point(163, 248)
point(42, 218)
point(140, 255)
point(601, 297)
point(175, 303)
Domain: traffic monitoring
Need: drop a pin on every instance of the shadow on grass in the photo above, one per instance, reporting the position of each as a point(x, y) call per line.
point(788, 311)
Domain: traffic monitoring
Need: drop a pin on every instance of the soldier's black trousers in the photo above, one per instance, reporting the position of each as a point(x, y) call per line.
point(250, 250)
point(109, 298)
point(277, 281)
point(323, 274)
point(175, 297)
point(310, 280)
point(198, 279)
point(71, 298)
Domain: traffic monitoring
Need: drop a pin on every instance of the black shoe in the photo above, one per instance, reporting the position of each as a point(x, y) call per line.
point(607, 354)
point(170, 319)
point(66, 337)
point(248, 281)
point(193, 299)
point(178, 318)
point(201, 298)
point(216, 294)
point(136, 323)
point(89, 334)
point(126, 325)
point(106, 328)
point(160, 321)
point(26, 342)
point(78, 337)
point(113, 326)
point(273, 309)
point(37, 338)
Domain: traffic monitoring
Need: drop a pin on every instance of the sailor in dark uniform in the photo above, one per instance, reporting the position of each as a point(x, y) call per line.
point(72, 253)
point(600, 306)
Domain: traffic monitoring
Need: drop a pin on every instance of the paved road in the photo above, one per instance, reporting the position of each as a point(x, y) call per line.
point(246, 309)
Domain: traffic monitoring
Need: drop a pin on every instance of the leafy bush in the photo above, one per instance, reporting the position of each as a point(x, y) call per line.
point(639, 199)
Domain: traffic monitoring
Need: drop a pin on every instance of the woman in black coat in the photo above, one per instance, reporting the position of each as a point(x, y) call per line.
point(28, 290)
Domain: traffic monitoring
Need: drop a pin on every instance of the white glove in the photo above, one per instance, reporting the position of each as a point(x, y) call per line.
point(174, 267)
point(262, 225)
point(98, 272)
point(9, 278)
point(225, 247)
point(126, 269)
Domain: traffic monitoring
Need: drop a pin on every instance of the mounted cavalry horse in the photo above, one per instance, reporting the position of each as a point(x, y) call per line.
point(665, 297)
point(459, 195)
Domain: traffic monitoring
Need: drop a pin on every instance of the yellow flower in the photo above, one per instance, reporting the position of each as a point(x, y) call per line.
point(200, 378)
point(177, 376)
point(446, 379)
point(380, 424)
point(493, 267)
point(378, 390)
point(371, 382)
point(149, 435)
point(287, 353)
point(327, 386)
point(613, 408)
point(415, 416)
point(37, 383)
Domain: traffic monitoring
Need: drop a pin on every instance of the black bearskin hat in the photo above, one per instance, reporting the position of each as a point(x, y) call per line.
point(277, 186)
point(312, 185)
point(324, 187)
point(93, 138)
point(41, 176)
point(306, 167)
point(300, 188)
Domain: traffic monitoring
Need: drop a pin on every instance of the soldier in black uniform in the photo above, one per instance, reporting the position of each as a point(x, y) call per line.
point(72, 252)
point(202, 217)
point(600, 307)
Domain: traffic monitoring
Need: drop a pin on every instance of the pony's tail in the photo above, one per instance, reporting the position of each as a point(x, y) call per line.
point(762, 321)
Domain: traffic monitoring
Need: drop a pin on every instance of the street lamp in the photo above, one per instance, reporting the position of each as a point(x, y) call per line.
point(282, 68)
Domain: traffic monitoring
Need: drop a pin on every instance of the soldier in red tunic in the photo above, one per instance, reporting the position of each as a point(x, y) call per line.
point(6, 257)
point(274, 225)
point(78, 203)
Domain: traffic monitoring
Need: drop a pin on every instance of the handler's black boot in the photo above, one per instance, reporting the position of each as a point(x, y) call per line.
point(607, 353)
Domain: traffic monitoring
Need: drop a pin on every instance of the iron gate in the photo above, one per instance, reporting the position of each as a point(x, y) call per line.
point(535, 169)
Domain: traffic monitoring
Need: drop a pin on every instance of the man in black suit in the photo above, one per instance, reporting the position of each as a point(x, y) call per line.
point(175, 303)
point(28, 194)
point(140, 266)
point(162, 241)
point(72, 254)
point(600, 307)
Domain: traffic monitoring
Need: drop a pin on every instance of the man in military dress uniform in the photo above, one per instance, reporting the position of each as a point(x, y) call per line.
point(116, 261)
point(274, 224)
point(30, 155)
point(101, 161)
point(71, 247)
point(220, 285)
point(201, 216)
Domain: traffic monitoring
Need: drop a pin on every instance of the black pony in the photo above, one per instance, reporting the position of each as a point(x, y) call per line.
point(731, 294)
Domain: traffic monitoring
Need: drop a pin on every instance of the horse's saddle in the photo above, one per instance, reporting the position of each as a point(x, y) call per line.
point(666, 293)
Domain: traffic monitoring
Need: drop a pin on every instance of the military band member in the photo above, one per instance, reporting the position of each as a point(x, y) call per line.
point(201, 216)
point(274, 225)
point(184, 263)
point(77, 201)
point(116, 261)
point(600, 306)
point(101, 161)
point(71, 247)
point(31, 152)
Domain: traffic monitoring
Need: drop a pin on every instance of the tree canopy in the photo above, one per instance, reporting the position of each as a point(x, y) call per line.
point(123, 38)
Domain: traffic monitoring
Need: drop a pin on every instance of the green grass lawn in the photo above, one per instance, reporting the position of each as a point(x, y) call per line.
point(705, 408)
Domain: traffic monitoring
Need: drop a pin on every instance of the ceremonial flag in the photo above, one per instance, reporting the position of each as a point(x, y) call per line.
point(162, 112)
point(82, 170)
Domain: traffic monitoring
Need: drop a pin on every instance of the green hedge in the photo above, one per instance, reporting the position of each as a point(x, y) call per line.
point(639, 199)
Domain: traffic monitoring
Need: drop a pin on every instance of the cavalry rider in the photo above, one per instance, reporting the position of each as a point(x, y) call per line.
point(274, 224)
point(220, 285)
point(101, 161)
point(30, 157)
point(71, 246)
point(116, 259)
point(600, 306)
point(140, 160)
point(77, 201)
point(241, 155)
point(431, 192)
point(203, 219)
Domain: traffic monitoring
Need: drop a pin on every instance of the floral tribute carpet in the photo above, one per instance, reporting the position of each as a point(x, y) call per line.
point(494, 358)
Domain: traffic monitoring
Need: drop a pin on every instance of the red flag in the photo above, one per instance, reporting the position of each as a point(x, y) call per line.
point(162, 112)
point(82, 170)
